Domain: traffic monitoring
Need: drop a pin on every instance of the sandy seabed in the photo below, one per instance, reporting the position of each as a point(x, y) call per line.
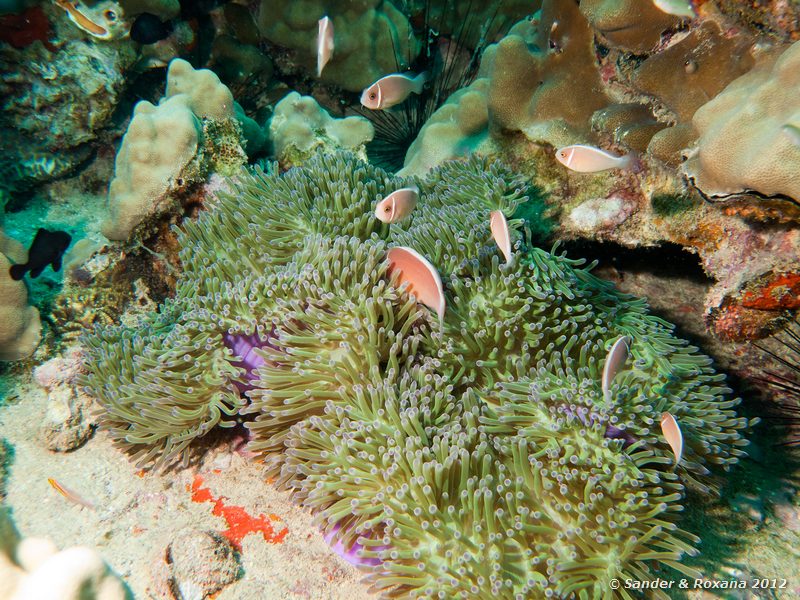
point(138, 514)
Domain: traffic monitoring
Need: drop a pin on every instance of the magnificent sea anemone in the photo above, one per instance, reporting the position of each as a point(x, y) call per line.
point(476, 456)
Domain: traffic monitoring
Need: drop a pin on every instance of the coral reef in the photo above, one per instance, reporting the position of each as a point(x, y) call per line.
point(159, 144)
point(58, 100)
point(472, 456)
point(606, 95)
point(630, 25)
point(749, 135)
point(299, 127)
point(554, 57)
point(457, 129)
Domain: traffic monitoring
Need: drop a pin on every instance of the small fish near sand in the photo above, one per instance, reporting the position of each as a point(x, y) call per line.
point(398, 205)
point(47, 248)
point(391, 90)
point(324, 43)
point(70, 495)
point(678, 8)
point(590, 159)
point(148, 29)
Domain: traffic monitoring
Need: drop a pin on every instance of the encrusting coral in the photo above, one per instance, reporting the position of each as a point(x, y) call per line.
point(472, 456)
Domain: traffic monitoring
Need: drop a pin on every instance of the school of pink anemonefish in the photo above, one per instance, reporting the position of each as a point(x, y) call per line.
point(423, 281)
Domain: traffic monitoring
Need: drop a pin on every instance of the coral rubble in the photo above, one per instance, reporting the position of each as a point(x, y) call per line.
point(472, 456)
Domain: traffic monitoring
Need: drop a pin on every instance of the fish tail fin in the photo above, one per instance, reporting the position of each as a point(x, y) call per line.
point(17, 272)
point(629, 161)
point(419, 82)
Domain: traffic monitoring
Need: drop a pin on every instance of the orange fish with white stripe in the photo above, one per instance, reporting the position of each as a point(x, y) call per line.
point(103, 20)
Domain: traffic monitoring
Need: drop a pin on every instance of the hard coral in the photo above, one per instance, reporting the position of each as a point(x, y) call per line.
point(748, 134)
point(371, 36)
point(196, 129)
point(543, 78)
point(633, 25)
point(20, 328)
point(299, 127)
point(471, 457)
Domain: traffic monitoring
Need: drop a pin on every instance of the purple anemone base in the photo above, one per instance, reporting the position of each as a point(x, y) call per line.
point(243, 347)
point(351, 554)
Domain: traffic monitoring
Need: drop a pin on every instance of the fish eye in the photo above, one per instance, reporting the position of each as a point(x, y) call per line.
point(387, 209)
point(372, 96)
point(562, 154)
point(110, 15)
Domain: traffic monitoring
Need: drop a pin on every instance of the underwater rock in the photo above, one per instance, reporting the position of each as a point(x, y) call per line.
point(68, 422)
point(20, 328)
point(381, 417)
point(599, 214)
point(299, 127)
point(749, 135)
point(200, 563)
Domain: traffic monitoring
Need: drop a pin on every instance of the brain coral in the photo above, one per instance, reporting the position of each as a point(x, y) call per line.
point(472, 457)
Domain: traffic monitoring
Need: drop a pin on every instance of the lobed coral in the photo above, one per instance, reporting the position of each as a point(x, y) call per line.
point(749, 135)
point(20, 327)
point(371, 36)
point(472, 456)
point(196, 129)
point(299, 127)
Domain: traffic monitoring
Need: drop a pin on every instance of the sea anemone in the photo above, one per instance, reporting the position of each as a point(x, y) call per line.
point(457, 458)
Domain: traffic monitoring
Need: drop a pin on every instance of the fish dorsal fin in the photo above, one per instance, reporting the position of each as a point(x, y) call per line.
point(422, 277)
point(673, 435)
point(615, 361)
